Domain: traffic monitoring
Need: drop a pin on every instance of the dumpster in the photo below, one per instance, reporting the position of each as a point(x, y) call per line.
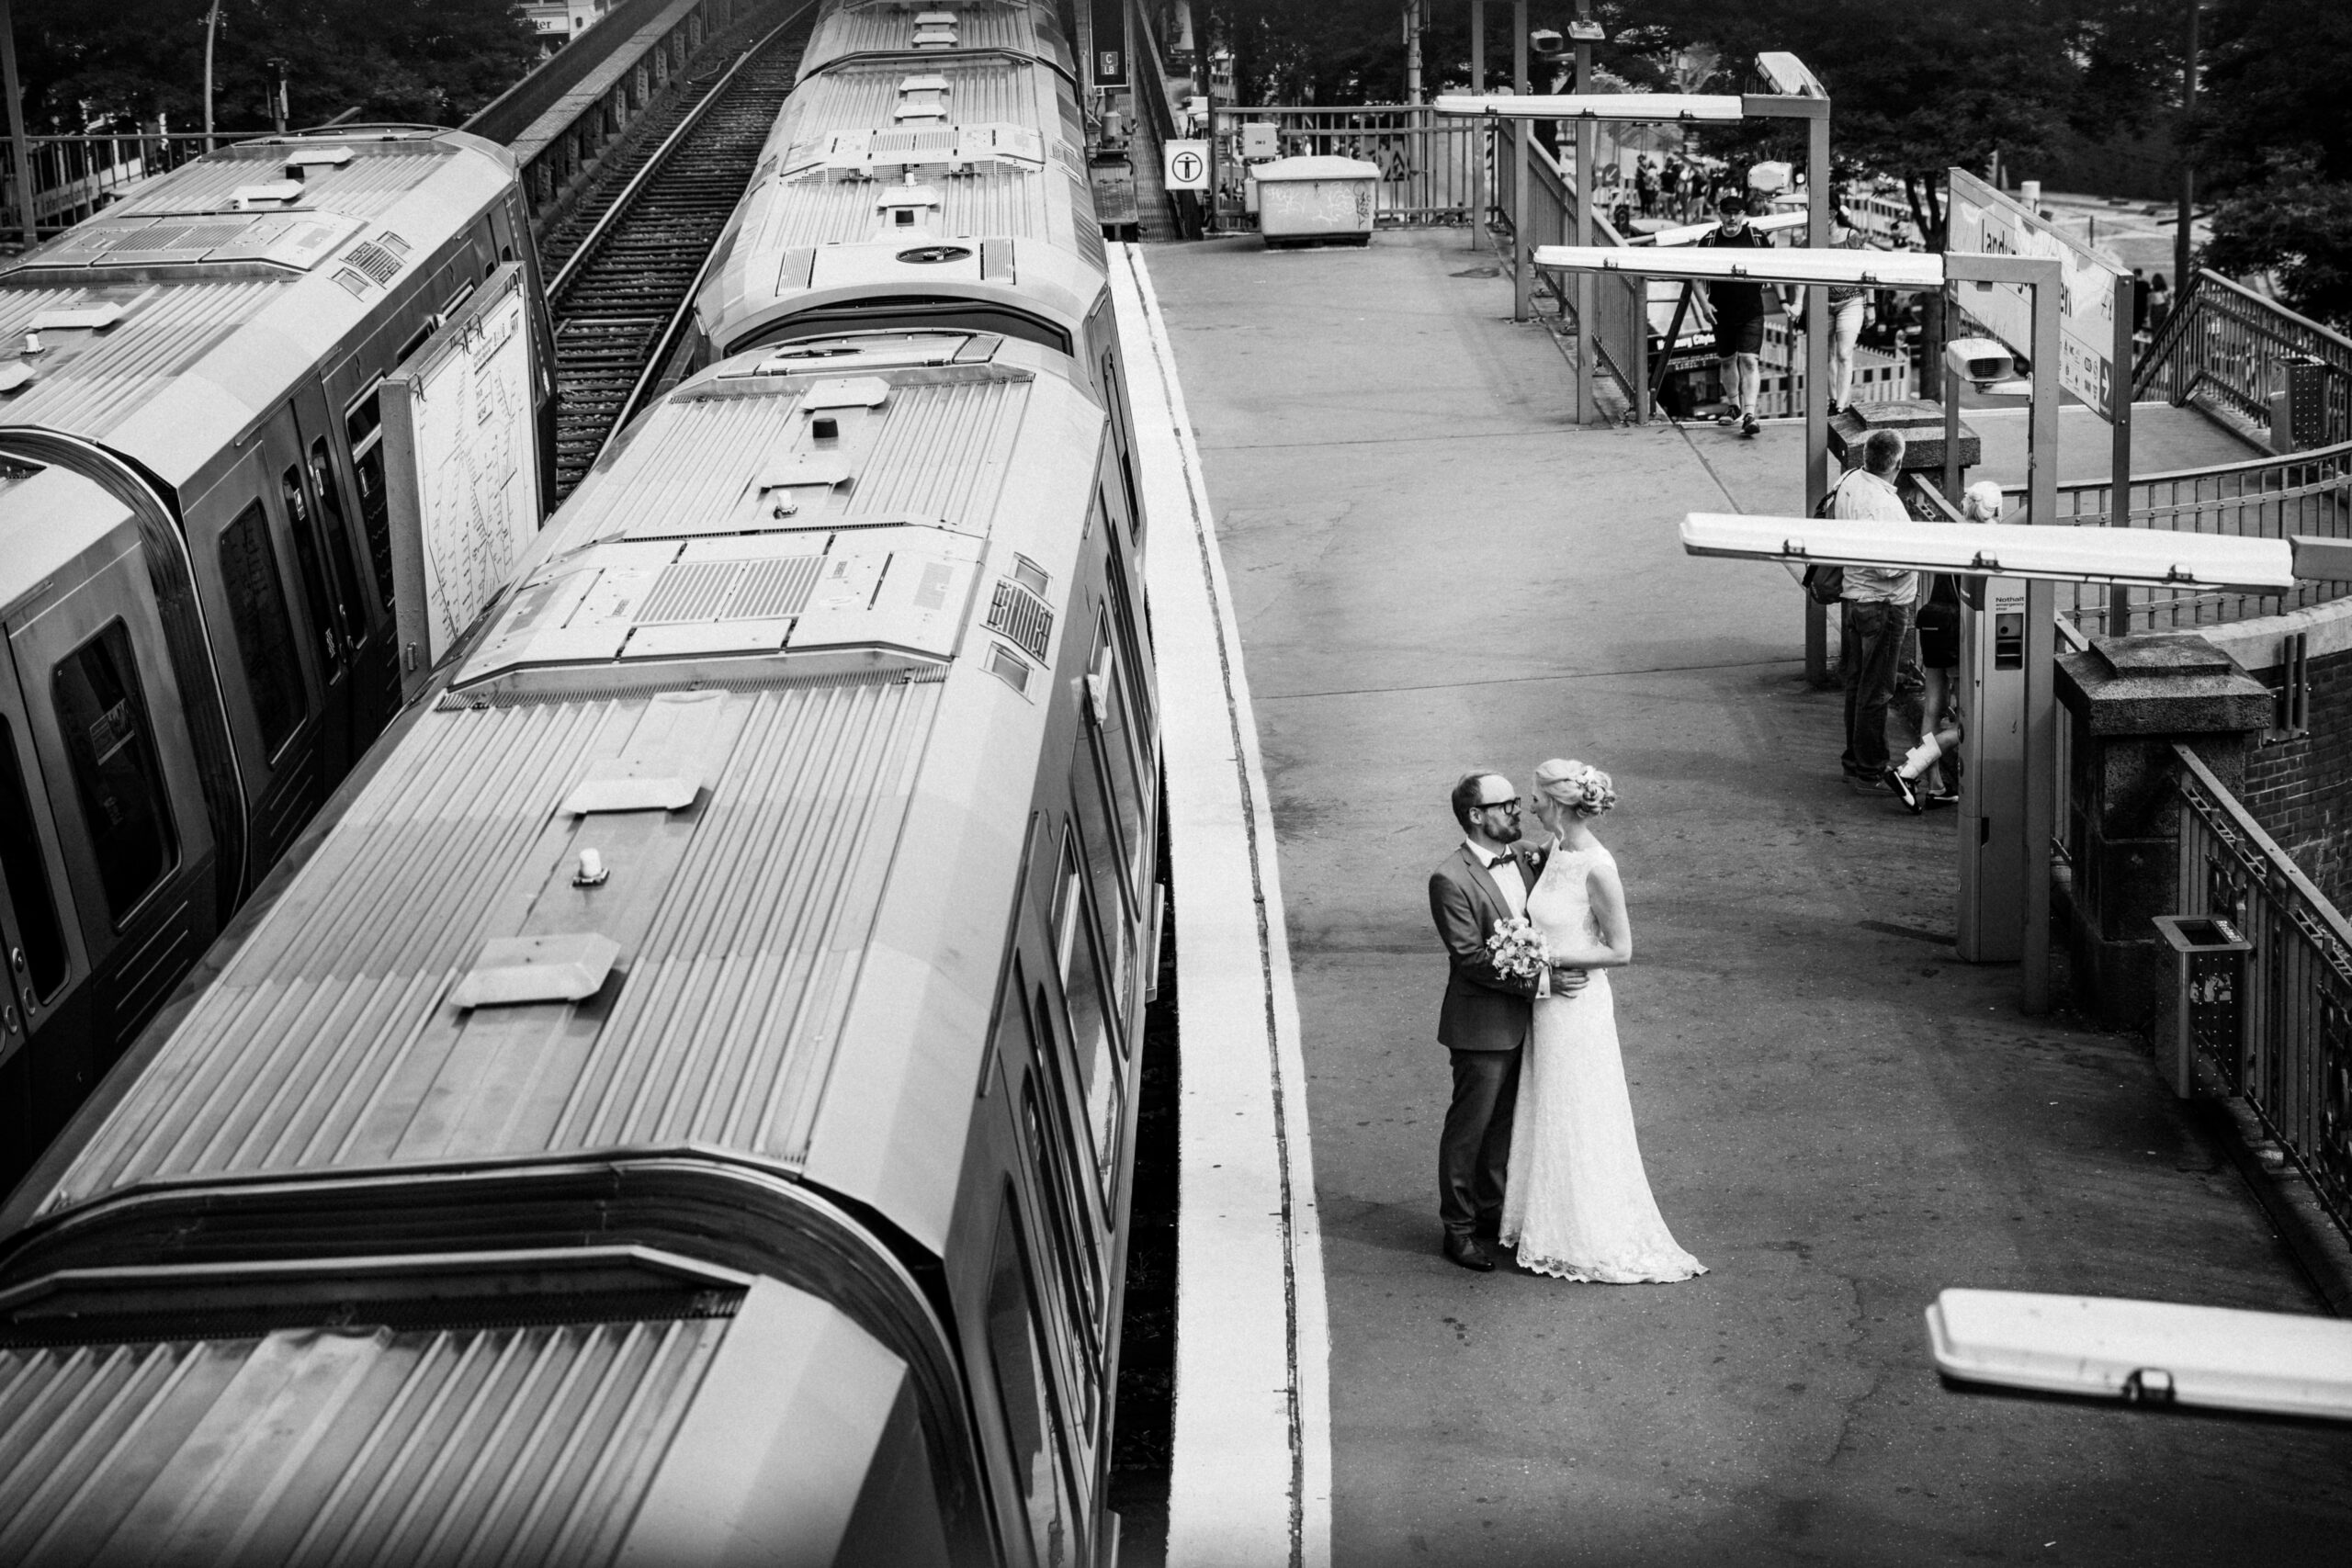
point(1301, 200)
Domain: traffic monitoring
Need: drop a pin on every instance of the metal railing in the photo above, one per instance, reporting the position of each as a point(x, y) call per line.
point(1425, 159)
point(74, 176)
point(1151, 96)
point(2267, 498)
point(2290, 1051)
point(2225, 342)
point(1620, 301)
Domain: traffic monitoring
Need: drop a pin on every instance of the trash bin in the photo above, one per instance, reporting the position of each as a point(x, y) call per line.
point(2209, 999)
point(1301, 200)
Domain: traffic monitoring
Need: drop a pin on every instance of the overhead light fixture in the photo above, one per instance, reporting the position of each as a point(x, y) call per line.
point(2134, 558)
point(1874, 269)
point(1632, 108)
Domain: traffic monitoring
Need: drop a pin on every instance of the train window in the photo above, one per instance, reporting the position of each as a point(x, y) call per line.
point(27, 875)
point(264, 626)
point(1032, 1430)
point(1107, 697)
point(117, 774)
point(314, 576)
point(1124, 616)
point(364, 425)
point(338, 531)
point(1081, 1288)
point(1098, 839)
point(1068, 1162)
point(1091, 1032)
point(1122, 430)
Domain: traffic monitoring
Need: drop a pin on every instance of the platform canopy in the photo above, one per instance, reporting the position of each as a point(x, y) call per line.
point(1637, 108)
point(2136, 557)
point(1874, 269)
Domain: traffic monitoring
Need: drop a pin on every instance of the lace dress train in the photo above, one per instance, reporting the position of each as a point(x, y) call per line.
point(1578, 1201)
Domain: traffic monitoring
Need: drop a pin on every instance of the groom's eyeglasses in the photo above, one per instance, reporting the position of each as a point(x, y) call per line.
point(1511, 805)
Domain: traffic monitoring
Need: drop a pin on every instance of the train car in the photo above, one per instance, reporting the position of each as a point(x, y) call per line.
point(929, 170)
point(196, 560)
point(682, 1110)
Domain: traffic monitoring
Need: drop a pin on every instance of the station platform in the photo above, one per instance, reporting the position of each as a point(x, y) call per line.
point(1411, 563)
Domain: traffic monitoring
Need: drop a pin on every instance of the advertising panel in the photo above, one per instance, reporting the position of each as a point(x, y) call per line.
point(1984, 220)
point(461, 460)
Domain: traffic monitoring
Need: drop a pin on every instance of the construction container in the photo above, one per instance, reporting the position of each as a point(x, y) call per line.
point(1302, 201)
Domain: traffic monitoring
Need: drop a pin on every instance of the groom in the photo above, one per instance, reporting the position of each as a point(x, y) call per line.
point(1486, 1017)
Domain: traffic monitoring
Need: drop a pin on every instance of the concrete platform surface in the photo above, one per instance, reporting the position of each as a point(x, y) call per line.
point(1433, 570)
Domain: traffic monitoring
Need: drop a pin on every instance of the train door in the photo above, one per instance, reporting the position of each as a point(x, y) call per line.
point(329, 573)
point(362, 580)
point(271, 653)
point(103, 707)
point(41, 955)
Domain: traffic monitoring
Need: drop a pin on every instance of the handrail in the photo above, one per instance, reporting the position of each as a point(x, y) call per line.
point(1184, 204)
point(2206, 277)
point(2281, 1034)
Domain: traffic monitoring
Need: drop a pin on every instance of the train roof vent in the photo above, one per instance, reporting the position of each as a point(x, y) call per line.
point(934, 29)
point(318, 158)
point(97, 316)
point(921, 97)
point(568, 966)
point(269, 194)
point(297, 240)
point(845, 392)
point(632, 784)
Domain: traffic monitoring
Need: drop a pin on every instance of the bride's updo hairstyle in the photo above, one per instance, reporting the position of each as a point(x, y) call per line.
point(1583, 790)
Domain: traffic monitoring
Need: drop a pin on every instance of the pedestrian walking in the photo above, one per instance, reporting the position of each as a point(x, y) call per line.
point(1929, 773)
point(1646, 185)
point(1669, 187)
point(1848, 303)
point(1878, 612)
point(1738, 306)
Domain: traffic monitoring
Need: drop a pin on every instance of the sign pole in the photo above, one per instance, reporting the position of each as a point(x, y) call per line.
point(2118, 483)
point(1522, 282)
point(1588, 151)
point(1816, 378)
point(1477, 131)
point(2041, 781)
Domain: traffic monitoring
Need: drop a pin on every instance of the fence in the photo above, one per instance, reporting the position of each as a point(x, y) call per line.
point(2230, 344)
point(73, 177)
point(1621, 302)
point(2285, 1046)
point(1425, 159)
point(2270, 498)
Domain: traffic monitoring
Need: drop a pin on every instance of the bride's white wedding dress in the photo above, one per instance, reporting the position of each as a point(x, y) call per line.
point(1576, 1203)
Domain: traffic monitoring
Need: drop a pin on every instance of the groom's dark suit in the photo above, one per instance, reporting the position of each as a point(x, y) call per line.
point(1484, 1023)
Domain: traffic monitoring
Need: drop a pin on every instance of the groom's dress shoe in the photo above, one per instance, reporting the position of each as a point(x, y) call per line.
point(1466, 1251)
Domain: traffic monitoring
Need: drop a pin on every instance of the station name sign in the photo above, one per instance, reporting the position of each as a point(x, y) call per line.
point(1985, 220)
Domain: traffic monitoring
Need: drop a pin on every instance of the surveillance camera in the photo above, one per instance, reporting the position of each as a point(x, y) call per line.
point(1545, 40)
point(1980, 360)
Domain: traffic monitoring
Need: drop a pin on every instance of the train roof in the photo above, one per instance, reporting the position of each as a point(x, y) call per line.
point(48, 516)
point(677, 1413)
point(965, 178)
point(171, 321)
point(782, 668)
point(921, 28)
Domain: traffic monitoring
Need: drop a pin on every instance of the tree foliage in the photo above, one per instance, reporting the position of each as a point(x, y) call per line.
point(2273, 139)
point(431, 60)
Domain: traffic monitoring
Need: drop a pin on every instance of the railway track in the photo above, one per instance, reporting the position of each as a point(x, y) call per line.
point(625, 266)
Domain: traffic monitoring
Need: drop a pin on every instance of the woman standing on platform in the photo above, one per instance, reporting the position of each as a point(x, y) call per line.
point(1578, 1202)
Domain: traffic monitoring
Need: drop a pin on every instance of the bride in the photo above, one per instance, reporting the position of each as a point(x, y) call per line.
point(1576, 1203)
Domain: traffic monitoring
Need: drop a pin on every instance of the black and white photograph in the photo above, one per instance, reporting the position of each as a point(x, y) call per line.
point(1175, 784)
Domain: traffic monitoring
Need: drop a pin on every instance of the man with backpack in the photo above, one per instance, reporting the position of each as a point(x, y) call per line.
point(1879, 605)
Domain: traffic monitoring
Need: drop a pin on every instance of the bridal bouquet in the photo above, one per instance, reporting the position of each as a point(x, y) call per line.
point(1518, 948)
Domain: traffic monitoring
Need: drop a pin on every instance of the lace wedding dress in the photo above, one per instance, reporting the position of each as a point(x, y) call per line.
point(1576, 1203)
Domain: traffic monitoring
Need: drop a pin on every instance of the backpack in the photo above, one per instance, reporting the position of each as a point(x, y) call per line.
point(1826, 584)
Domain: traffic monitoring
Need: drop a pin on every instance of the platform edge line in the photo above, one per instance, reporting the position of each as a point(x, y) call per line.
point(1309, 1331)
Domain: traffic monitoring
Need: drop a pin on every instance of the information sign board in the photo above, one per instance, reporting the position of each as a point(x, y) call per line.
point(1987, 221)
point(1184, 165)
point(461, 460)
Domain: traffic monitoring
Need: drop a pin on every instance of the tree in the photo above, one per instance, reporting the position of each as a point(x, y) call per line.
point(2273, 139)
point(431, 61)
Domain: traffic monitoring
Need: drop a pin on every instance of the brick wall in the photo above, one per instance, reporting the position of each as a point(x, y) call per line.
point(2299, 787)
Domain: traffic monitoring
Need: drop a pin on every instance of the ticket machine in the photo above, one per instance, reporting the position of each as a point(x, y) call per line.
point(1993, 779)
